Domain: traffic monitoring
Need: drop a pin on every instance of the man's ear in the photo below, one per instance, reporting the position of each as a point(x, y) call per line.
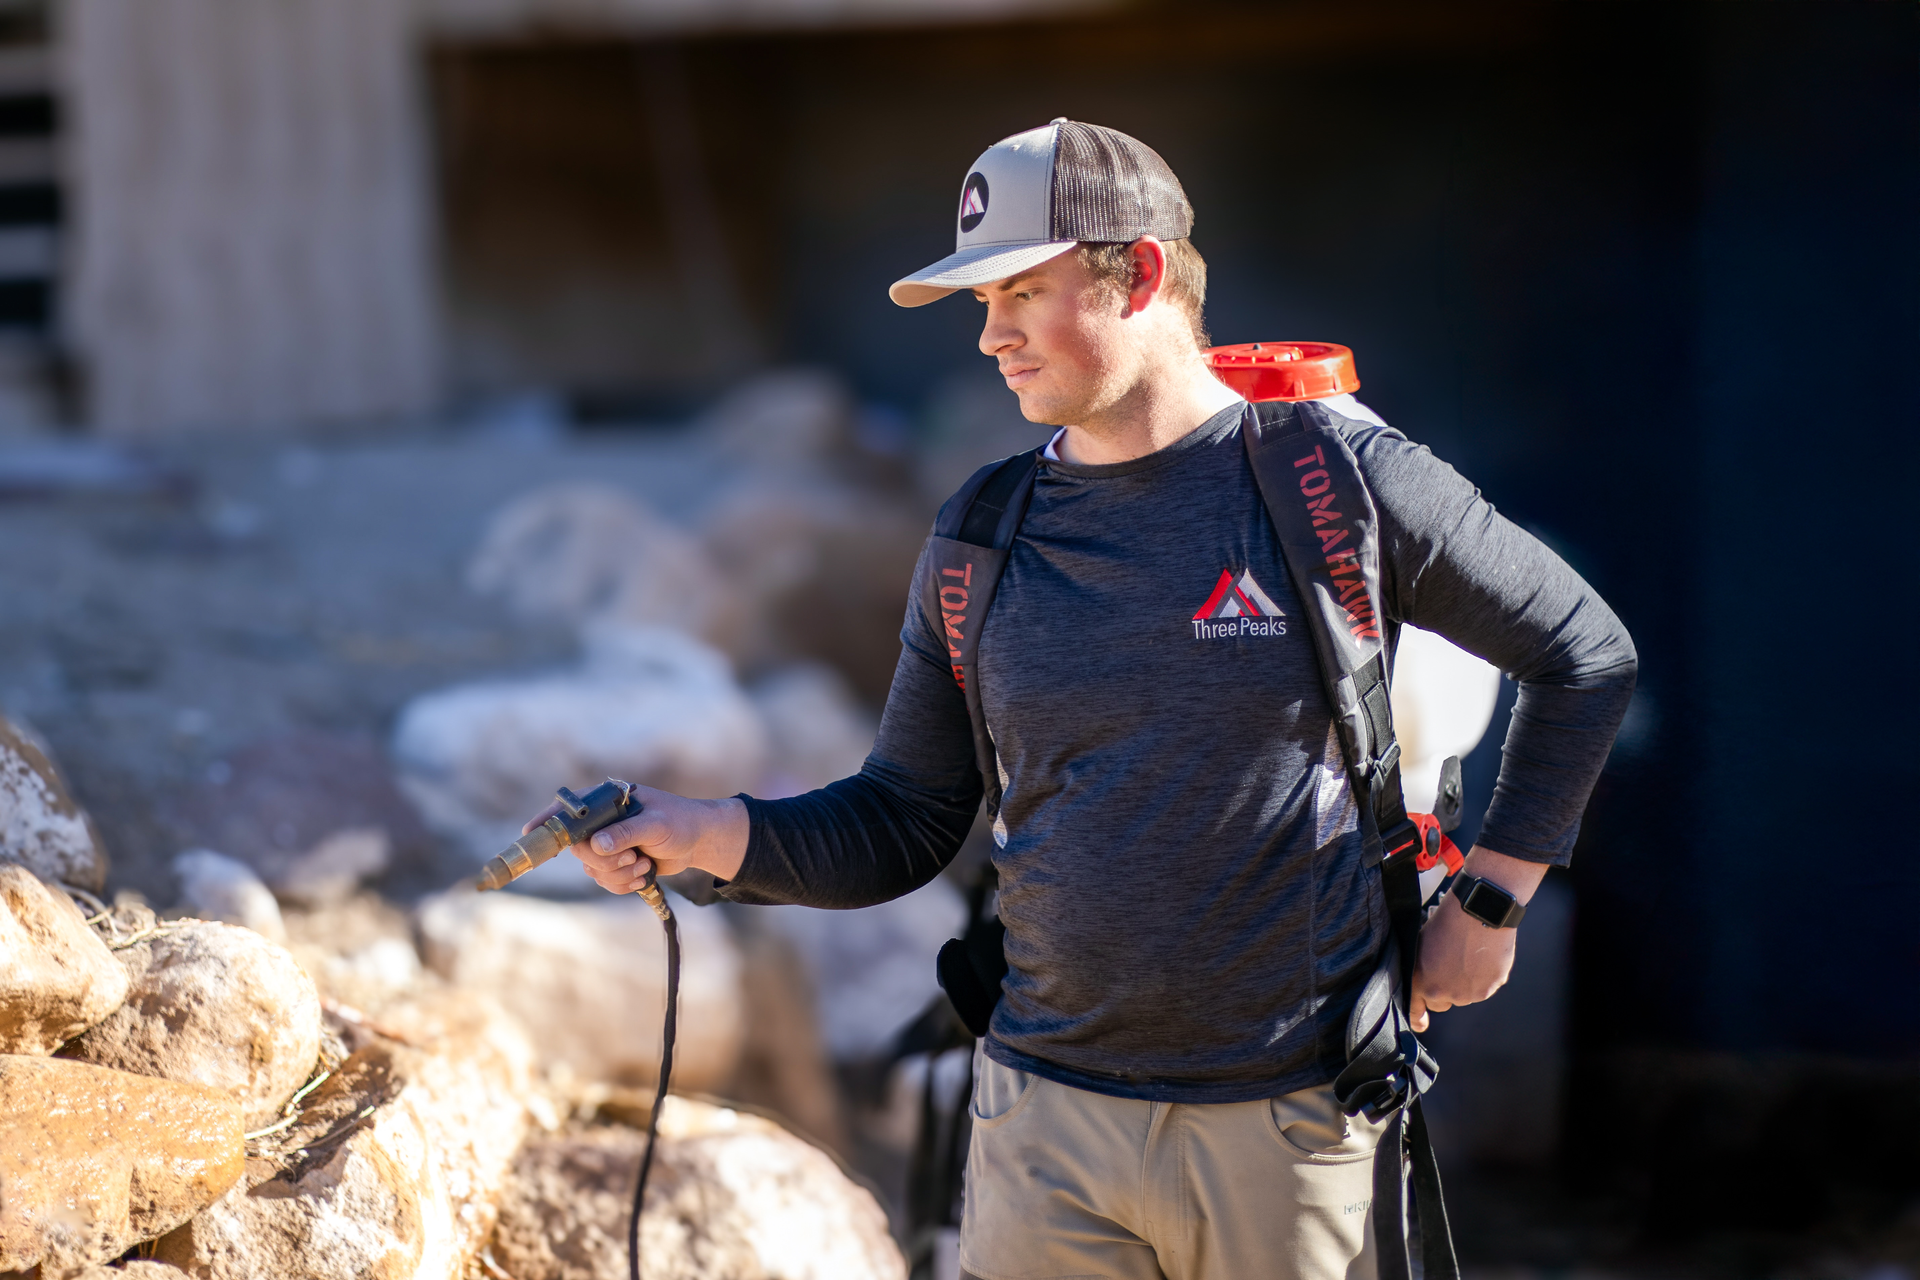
point(1149, 273)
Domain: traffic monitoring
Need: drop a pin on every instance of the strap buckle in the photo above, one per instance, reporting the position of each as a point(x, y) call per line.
point(1402, 840)
point(1408, 1076)
point(1389, 761)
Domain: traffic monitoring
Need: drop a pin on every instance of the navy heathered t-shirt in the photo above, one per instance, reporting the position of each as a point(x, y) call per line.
point(1181, 876)
point(1175, 802)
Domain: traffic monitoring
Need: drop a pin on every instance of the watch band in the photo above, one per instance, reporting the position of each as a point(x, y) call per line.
point(1487, 902)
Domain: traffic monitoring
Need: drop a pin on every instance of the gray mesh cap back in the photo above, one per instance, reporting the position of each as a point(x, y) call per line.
point(1037, 194)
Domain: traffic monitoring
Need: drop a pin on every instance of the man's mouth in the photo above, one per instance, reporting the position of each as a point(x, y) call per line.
point(1018, 378)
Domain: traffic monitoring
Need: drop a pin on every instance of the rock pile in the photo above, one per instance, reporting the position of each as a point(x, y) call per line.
point(826, 565)
point(359, 951)
point(790, 575)
point(391, 1167)
point(582, 554)
point(216, 887)
point(184, 1099)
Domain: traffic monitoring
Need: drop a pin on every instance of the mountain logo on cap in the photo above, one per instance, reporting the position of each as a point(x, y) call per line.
point(973, 201)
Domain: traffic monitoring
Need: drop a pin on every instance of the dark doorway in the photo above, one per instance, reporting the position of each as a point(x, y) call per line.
point(604, 213)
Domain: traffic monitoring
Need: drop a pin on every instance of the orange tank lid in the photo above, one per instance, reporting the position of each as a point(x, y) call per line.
point(1285, 370)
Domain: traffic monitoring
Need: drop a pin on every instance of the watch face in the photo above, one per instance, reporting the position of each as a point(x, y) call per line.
point(1489, 902)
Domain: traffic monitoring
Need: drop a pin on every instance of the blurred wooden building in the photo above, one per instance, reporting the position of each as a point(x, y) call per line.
point(223, 214)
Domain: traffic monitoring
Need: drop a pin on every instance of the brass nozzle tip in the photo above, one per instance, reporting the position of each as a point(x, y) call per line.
point(496, 875)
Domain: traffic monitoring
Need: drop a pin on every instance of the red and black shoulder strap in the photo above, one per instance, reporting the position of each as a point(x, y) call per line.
point(965, 557)
point(1329, 534)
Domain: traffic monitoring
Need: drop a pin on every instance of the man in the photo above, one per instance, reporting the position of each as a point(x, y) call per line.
point(1188, 911)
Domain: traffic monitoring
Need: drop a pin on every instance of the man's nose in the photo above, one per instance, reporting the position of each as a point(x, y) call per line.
point(996, 335)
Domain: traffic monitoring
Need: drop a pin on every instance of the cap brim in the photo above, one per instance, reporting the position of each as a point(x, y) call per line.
point(972, 267)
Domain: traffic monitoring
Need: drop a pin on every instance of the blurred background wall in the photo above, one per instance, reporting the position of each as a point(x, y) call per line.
point(1648, 273)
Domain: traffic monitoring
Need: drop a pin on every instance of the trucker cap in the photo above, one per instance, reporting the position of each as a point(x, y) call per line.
point(1035, 195)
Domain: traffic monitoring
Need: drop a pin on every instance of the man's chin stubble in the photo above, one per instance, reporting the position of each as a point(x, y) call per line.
point(1047, 413)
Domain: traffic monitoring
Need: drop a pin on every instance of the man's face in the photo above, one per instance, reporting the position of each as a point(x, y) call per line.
point(1061, 338)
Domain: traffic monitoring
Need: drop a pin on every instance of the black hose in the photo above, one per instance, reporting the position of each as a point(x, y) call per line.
point(672, 927)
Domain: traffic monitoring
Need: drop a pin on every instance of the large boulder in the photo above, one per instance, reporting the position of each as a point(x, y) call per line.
point(313, 813)
point(56, 977)
point(651, 706)
point(588, 980)
point(393, 1165)
point(93, 1161)
point(216, 1005)
point(41, 828)
point(731, 1197)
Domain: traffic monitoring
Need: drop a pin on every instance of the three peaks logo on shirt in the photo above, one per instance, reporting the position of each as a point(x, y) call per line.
point(1238, 607)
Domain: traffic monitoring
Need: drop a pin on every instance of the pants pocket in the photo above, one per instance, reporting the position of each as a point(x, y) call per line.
point(998, 1091)
point(1310, 1122)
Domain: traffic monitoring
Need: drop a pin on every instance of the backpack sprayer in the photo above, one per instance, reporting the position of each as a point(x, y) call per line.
point(579, 818)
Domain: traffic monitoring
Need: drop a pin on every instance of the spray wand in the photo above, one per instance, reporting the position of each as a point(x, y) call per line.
point(576, 822)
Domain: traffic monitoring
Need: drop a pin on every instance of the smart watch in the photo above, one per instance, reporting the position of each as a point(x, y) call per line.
point(1487, 902)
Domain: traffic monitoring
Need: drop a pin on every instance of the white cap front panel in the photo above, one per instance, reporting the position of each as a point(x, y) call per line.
point(1007, 192)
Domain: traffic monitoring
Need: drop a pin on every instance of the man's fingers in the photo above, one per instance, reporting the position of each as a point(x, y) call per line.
point(622, 878)
point(614, 884)
point(624, 862)
point(1427, 1001)
point(628, 879)
point(639, 831)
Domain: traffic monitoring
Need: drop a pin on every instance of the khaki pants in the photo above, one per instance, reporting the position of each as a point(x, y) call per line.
point(1063, 1184)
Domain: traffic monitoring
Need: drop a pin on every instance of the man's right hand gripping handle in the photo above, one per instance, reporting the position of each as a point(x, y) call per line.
point(670, 834)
